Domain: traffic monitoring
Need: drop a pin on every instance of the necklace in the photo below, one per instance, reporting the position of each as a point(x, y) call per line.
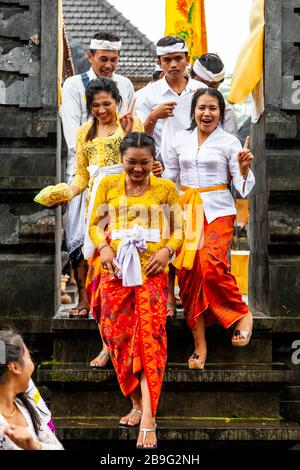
point(12, 414)
point(133, 194)
point(108, 132)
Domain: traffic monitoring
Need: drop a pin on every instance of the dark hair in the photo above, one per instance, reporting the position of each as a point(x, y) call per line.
point(96, 86)
point(211, 92)
point(105, 36)
point(211, 62)
point(170, 41)
point(14, 352)
point(156, 75)
point(138, 140)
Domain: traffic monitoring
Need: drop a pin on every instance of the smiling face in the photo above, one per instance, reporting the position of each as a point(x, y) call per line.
point(138, 164)
point(104, 107)
point(104, 62)
point(207, 113)
point(174, 65)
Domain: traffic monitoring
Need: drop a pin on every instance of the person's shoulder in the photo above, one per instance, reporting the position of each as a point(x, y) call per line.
point(163, 183)
point(73, 81)
point(182, 136)
point(196, 84)
point(110, 180)
point(84, 128)
point(227, 137)
point(121, 79)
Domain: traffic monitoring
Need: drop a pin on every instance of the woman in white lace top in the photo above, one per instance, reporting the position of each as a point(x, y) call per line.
point(22, 426)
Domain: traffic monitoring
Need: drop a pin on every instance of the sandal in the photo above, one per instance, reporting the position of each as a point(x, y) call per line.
point(145, 430)
point(131, 414)
point(197, 362)
point(244, 334)
point(98, 358)
point(77, 316)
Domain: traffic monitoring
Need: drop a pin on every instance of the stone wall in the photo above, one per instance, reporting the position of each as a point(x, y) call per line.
point(275, 209)
point(29, 157)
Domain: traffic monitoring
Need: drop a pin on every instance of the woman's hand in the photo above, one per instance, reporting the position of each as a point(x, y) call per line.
point(158, 262)
point(107, 256)
point(157, 169)
point(245, 158)
point(126, 121)
point(22, 437)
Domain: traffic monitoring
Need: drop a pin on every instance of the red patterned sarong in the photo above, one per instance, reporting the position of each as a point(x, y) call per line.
point(133, 324)
point(209, 288)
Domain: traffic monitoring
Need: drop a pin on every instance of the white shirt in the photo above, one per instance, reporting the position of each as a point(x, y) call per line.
point(230, 123)
point(74, 113)
point(45, 436)
point(160, 92)
point(213, 164)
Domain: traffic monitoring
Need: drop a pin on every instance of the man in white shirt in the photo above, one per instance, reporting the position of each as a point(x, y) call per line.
point(209, 69)
point(164, 106)
point(103, 57)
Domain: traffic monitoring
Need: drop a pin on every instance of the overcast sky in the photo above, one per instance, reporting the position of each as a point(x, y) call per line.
point(227, 23)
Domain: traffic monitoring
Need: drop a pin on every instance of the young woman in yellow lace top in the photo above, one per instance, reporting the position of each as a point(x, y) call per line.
point(137, 226)
point(98, 154)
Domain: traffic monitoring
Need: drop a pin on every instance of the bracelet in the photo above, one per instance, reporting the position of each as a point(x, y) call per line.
point(170, 250)
point(103, 245)
point(40, 445)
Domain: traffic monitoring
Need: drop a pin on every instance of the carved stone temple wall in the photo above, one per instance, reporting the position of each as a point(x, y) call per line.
point(29, 157)
point(275, 201)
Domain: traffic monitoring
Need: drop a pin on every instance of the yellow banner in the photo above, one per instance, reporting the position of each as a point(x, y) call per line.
point(186, 18)
point(249, 66)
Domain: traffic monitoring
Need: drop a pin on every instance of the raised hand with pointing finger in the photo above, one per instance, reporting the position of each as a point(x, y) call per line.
point(245, 158)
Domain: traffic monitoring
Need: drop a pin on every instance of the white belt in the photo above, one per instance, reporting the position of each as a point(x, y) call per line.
point(133, 241)
point(98, 173)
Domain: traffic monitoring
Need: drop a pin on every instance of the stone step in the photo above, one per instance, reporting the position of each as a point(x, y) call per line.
point(180, 342)
point(178, 433)
point(226, 390)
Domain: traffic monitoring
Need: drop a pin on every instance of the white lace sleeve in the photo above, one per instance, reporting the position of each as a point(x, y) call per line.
point(47, 438)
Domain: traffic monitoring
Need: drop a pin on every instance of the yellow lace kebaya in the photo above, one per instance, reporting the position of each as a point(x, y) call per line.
point(157, 208)
point(100, 151)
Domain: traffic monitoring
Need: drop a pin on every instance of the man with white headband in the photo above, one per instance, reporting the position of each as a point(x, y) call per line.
point(103, 57)
point(210, 70)
point(164, 107)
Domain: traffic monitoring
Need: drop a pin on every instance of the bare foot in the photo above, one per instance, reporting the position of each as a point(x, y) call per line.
point(102, 359)
point(147, 438)
point(133, 418)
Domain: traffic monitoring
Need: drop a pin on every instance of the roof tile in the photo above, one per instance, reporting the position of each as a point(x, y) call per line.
point(138, 52)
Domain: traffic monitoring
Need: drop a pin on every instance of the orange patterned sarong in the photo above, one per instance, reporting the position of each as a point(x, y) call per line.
point(209, 288)
point(133, 324)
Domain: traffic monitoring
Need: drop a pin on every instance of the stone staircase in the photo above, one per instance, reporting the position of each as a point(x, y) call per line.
point(236, 401)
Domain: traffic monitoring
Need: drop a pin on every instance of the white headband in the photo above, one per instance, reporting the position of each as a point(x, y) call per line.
point(97, 44)
point(2, 353)
point(178, 47)
point(205, 74)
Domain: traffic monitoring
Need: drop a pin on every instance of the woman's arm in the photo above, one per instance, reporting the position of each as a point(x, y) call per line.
point(239, 167)
point(81, 179)
point(172, 168)
point(99, 217)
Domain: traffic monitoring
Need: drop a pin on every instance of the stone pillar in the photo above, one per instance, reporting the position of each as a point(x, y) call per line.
point(275, 201)
point(29, 158)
